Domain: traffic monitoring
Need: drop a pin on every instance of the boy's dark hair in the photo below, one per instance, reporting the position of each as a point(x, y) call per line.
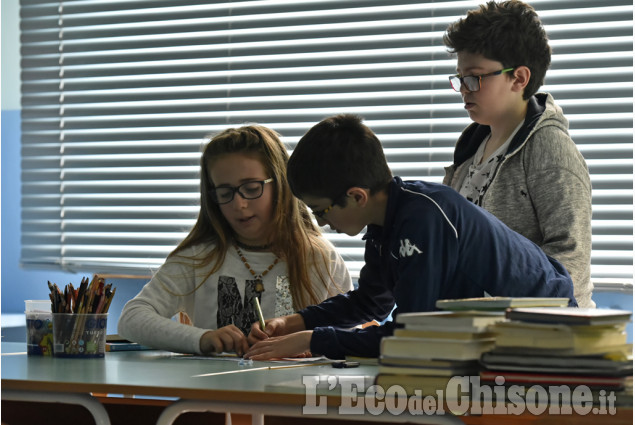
point(509, 32)
point(334, 155)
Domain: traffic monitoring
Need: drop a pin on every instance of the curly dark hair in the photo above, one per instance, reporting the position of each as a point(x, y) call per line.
point(509, 32)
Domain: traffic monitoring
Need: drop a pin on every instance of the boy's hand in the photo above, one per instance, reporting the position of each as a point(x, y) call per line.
point(274, 327)
point(227, 338)
point(278, 326)
point(292, 345)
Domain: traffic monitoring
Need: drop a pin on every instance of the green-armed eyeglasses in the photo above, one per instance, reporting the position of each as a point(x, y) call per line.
point(473, 82)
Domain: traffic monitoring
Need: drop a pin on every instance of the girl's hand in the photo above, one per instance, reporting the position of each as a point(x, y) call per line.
point(227, 338)
point(274, 327)
point(292, 345)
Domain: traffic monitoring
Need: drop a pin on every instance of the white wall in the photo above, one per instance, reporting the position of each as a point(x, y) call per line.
point(10, 57)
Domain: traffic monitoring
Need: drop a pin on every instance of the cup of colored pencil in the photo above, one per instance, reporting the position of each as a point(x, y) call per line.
point(80, 318)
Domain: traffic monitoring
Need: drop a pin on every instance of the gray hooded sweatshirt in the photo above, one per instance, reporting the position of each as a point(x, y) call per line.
point(541, 188)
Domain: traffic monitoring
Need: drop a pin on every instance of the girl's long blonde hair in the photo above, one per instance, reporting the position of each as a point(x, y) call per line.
point(295, 239)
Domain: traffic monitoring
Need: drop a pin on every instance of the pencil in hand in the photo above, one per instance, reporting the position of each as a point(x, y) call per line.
point(261, 319)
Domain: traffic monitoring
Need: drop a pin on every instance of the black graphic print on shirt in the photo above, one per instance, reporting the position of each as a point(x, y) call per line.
point(230, 308)
point(479, 178)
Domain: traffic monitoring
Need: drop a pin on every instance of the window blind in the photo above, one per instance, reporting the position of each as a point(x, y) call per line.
point(117, 97)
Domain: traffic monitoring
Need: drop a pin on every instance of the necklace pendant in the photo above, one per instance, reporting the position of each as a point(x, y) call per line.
point(259, 287)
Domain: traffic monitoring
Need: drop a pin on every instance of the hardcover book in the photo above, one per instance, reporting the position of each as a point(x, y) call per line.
point(426, 363)
point(500, 303)
point(442, 334)
point(455, 370)
point(592, 381)
point(429, 348)
point(451, 321)
point(610, 364)
point(427, 385)
point(126, 346)
point(576, 339)
point(570, 315)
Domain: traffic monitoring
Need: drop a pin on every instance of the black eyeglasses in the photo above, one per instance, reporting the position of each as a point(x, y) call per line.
point(320, 213)
point(473, 82)
point(250, 190)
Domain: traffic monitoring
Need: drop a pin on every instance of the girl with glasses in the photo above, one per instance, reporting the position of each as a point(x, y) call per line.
point(252, 239)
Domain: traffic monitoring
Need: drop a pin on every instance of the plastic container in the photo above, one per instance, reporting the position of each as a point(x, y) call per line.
point(79, 335)
point(39, 327)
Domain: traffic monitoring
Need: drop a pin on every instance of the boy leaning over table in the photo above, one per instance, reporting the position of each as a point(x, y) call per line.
point(424, 242)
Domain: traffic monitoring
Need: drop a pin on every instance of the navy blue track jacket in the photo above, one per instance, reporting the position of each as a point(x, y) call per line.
point(434, 244)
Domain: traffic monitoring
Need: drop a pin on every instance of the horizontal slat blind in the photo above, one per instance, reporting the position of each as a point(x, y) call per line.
point(117, 97)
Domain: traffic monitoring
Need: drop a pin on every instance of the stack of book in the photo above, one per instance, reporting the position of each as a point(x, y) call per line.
point(562, 346)
point(432, 347)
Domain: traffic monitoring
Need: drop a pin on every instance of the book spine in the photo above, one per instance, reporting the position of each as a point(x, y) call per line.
point(126, 347)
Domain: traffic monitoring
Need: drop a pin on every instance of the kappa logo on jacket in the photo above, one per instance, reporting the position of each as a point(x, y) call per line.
point(407, 248)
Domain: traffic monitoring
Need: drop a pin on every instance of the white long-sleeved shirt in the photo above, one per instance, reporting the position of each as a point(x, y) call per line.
point(223, 298)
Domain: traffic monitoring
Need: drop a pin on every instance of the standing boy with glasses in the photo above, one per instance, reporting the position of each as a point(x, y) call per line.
point(517, 159)
point(424, 242)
